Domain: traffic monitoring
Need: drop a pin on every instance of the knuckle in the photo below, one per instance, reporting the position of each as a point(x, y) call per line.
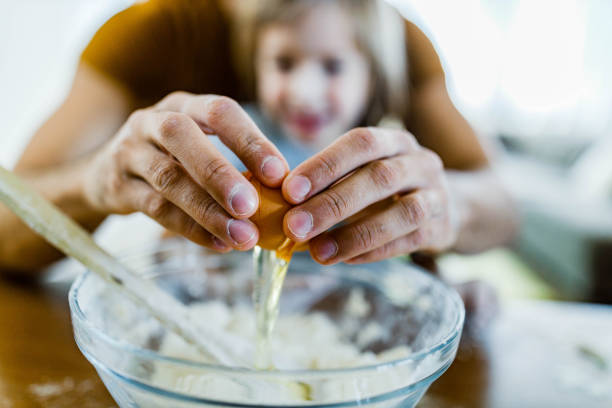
point(386, 250)
point(165, 174)
point(115, 183)
point(191, 201)
point(223, 103)
point(417, 239)
point(217, 109)
point(122, 152)
point(168, 99)
point(248, 144)
point(174, 101)
point(133, 121)
point(335, 204)
point(364, 139)
point(189, 228)
point(384, 174)
point(156, 206)
point(176, 95)
point(137, 116)
point(364, 236)
point(413, 210)
point(327, 166)
point(214, 169)
point(206, 210)
point(173, 125)
point(195, 231)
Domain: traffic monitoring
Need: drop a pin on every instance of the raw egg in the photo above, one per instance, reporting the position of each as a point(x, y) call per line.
point(269, 217)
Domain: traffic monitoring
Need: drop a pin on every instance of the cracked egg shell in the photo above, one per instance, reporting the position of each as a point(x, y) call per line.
point(269, 216)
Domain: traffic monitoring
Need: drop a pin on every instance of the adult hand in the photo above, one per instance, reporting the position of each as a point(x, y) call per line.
point(389, 193)
point(162, 163)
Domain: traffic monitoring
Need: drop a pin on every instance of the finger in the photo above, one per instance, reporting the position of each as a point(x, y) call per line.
point(415, 241)
point(377, 207)
point(375, 182)
point(225, 117)
point(350, 151)
point(146, 200)
point(169, 179)
point(406, 215)
point(181, 137)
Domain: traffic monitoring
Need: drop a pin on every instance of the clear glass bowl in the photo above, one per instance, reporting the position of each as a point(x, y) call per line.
point(414, 308)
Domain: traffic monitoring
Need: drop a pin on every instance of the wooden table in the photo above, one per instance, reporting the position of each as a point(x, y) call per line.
point(536, 354)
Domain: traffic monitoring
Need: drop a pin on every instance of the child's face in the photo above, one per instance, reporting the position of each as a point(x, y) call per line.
point(311, 78)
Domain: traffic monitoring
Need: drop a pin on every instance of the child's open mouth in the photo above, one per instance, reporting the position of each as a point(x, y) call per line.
point(307, 124)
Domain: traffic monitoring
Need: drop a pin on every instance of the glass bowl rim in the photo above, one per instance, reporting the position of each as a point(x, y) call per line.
point(448, 339)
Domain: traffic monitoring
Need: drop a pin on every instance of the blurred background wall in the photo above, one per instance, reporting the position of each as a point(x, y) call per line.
point(526, 68)
point(40, 42)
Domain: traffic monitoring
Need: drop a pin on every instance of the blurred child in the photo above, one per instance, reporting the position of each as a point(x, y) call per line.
point(317, 76)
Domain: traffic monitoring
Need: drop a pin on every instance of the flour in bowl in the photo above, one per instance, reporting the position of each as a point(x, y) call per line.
point(309, 341)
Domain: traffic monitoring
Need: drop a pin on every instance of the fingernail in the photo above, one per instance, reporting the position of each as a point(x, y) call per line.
point(326, 249)
point(273, 168)
point(242, 200)
point(240, 231)
point(300, 223)
point(298, 187)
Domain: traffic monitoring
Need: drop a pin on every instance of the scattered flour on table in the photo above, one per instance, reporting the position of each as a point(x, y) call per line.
point(50, 389)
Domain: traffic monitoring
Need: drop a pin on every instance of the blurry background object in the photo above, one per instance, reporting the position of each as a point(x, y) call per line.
point(534, 77)
point(40, 44)
point(530, 70)
point(530, 76)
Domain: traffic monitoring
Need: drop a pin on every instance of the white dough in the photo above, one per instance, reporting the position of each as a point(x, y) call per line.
point(311, 341)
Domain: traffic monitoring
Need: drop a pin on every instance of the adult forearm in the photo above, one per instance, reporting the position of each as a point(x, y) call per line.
point(21, 250)
point(485, 213)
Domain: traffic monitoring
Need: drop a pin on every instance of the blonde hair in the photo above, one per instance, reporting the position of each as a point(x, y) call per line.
point(379, 31)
